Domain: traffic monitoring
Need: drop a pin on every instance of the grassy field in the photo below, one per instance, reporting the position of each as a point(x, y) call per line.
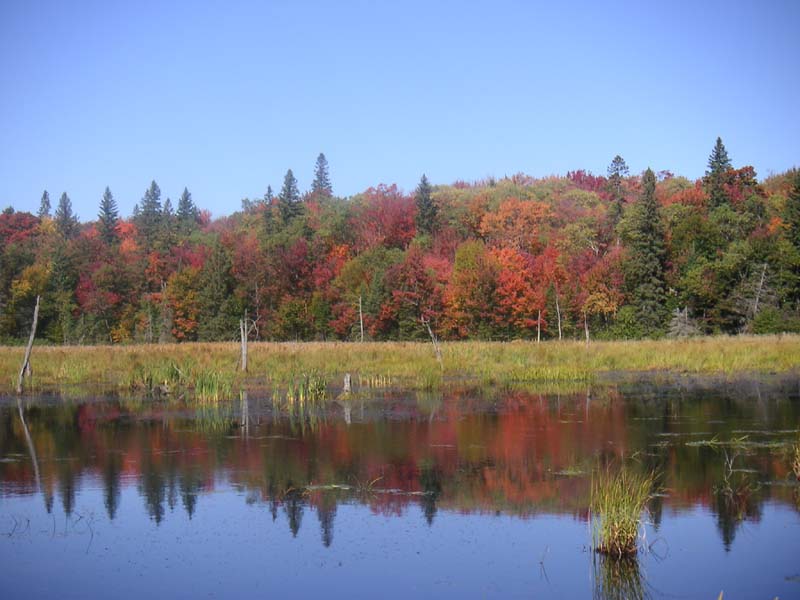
point(412, 365)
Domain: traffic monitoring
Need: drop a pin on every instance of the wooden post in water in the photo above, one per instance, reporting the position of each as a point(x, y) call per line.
point(347, 384)
point(26, 361)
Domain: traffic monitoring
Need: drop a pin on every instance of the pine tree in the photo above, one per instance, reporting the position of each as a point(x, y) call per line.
point(269, 196)
point(187, 212)
point(645, 268)
point(108, 218)
point(427, 211)
point(321, 186)
point(44, 205)
point(149, 218)
point(289, 198)
point(792, 212)
point(718, 165)
point(66, 221)
point(617, 171)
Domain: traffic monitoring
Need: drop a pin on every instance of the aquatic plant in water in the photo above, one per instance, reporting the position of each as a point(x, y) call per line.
point(619, 498)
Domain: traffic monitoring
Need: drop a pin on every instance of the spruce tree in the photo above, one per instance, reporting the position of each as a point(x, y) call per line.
point(321, 186)
point(718, 165)
point(66, 221)
point(108, 218)
point(644, 272)
point(187, 212)
point(150, 215)
point(289, 198)
point(427, 211)
point(792, 212)
point(269, 196)
point(44, 205)
point(617, 171)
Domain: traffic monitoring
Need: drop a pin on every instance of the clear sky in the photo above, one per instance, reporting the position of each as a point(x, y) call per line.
point(223, 97)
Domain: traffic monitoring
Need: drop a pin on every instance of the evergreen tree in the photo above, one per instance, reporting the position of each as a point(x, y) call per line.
point(166, 210)
point(150, 215)
point(645, 267)
point(218, 308)
point(187, 212)
point(269, 196)
point(289, 198)
point(321, 186)
point(718, 165)
point(168, 222)
point(791, 258)
point(108, 218)
point(66, 221)
point(617, 171)
point(427, 211)
point(44, 205)
point(792, 212)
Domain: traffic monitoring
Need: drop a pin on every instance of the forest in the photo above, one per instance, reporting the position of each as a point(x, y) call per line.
point(619, 256)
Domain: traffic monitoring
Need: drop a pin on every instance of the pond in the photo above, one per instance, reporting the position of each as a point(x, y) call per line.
point(462, 493)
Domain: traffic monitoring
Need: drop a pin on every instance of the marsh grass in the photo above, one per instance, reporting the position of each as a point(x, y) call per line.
point(212, 386)
point(794, 454)
point(401, 364)
point(619, 497)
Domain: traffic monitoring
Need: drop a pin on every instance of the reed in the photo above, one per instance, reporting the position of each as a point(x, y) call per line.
point(401, 364)
point(212, 386)
point(619, 497)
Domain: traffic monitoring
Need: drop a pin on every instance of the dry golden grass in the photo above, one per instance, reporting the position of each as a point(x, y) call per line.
point(403, 363)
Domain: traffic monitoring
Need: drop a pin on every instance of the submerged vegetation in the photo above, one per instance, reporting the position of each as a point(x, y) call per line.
point(308, 368)
point(619, 497)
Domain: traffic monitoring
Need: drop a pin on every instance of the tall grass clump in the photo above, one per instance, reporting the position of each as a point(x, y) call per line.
point(212, 386)
point(307, 388)
point(619, 497)
point(795, 453)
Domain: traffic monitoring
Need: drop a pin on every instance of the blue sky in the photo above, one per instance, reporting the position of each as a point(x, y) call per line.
point(223, 97)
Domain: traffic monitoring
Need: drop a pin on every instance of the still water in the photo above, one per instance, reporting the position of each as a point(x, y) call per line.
point(465, 493)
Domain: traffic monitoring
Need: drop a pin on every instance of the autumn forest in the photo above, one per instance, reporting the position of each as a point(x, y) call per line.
point(617, 256)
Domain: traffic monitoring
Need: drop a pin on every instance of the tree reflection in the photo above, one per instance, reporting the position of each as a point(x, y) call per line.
point(509, 451)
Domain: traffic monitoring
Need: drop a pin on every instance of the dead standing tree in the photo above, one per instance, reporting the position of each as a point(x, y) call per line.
point(435, 341)
point(246, 327)
point(26, 361)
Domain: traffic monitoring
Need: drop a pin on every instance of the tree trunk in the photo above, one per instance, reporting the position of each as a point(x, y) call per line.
point(243, 337)
point(586, 327)
point(759, 290)
point(361, 318)
point(26, 361)
point(558, 312)
point(436, 348)
point(539, 327)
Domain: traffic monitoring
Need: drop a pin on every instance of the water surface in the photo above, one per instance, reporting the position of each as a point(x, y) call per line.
point(465, 493)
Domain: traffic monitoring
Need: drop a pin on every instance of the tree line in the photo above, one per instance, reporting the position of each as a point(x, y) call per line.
point(615, 256)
